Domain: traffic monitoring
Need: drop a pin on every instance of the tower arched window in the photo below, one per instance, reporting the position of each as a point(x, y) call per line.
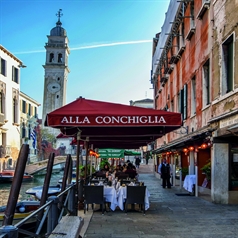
point(60, 58)
point(51, 57)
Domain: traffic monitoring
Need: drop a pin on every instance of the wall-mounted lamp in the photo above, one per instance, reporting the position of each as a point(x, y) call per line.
point(191, 148)
point(185, 150)
point(203, 146)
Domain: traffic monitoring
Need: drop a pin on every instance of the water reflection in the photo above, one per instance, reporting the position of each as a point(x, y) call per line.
point(37, 181)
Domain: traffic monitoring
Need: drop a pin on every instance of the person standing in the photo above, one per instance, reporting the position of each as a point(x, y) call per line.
point(137, 162)
point(147, 157)
point(164, 171)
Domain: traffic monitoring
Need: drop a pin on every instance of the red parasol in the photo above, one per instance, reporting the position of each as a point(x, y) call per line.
point(111, 121)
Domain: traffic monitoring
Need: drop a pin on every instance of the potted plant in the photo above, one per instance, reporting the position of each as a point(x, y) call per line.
point(206, 169)
point(82, 170)
point(184, 171)
point(103, 163)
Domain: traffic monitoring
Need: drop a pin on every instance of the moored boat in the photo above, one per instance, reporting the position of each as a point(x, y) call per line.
point(23, 209)
point(6, 176)
point(37, 191)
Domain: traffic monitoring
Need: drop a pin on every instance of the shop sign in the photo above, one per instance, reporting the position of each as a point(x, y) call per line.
point(229, 121)
point(111, 153)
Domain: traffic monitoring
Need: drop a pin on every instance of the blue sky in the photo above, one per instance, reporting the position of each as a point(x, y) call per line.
point(110, 43)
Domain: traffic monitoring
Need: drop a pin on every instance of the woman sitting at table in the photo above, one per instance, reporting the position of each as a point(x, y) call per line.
point(130, 171)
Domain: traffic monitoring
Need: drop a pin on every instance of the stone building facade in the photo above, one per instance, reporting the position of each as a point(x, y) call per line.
point(10, 67)
point(194, 72)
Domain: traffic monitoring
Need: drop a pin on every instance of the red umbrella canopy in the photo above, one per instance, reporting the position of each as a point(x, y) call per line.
point(111, 121)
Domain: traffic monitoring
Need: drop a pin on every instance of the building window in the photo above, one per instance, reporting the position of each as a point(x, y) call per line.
point(206, 83)
point(14, 111)
point(29, 109)
point(3, 67)
point(15, 74)
point(193, 96)
point(51, 57)
point(29, 132)
point(23, 130)
point(23, 106)
point(1, 103)
point(35, 114)
point(227, 65)
point(185, 87)
point(182, 102)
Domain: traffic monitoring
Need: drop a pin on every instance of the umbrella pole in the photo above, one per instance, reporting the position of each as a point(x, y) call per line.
point(86, 161)
point(77, 169)
point(91, 161)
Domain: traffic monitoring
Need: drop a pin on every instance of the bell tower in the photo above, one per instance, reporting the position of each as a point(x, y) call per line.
point(56, 68)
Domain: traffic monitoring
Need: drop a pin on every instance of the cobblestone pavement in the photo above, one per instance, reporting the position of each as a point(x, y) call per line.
point(169, 216)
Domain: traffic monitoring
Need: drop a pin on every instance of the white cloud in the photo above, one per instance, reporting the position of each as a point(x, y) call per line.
point(89, 46)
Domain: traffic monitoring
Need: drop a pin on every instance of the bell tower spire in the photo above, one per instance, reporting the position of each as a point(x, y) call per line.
point(59, 14)
point(56, 68)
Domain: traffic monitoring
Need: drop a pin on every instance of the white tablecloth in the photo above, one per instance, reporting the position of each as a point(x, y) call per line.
point(117, 197)
point(110, 195)
point(188, 183)
point(122, 196)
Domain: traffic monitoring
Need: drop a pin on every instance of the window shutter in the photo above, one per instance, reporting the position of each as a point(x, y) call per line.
point(13, 73)
point(185, 101)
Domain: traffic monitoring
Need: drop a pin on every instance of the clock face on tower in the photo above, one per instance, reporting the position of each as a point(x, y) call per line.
point(53, 87)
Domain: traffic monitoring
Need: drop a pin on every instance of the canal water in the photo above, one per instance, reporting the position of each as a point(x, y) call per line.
point(38, 180)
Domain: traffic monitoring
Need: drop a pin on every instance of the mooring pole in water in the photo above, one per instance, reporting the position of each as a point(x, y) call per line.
point(16, 185)
point(66, 172)
point(46, 185)
point(70, 172)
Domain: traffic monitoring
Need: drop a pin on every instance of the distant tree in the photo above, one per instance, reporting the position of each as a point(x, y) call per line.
point(45, 143)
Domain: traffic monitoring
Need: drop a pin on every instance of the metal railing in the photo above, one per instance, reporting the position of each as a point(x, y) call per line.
point(54, 209)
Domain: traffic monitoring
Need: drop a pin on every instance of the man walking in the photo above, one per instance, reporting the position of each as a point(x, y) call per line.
point(164, 171)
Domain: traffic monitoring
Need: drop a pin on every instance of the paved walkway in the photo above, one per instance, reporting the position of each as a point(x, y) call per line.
point(169, 216)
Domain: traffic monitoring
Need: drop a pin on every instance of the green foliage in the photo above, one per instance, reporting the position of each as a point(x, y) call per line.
point(45, 135)
point(103, 163)
point(184, 171)
point(207, 170)
point(82, 170)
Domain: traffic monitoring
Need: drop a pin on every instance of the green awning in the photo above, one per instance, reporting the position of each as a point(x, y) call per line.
point(130, 152)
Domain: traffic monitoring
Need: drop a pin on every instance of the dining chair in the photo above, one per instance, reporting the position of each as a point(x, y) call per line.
point(135, 194)
point(122, 176)
point(94, 195)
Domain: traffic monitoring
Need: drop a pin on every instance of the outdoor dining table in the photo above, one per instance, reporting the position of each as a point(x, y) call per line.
point(189, 182)
point(121, 196)
point(116, 196)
